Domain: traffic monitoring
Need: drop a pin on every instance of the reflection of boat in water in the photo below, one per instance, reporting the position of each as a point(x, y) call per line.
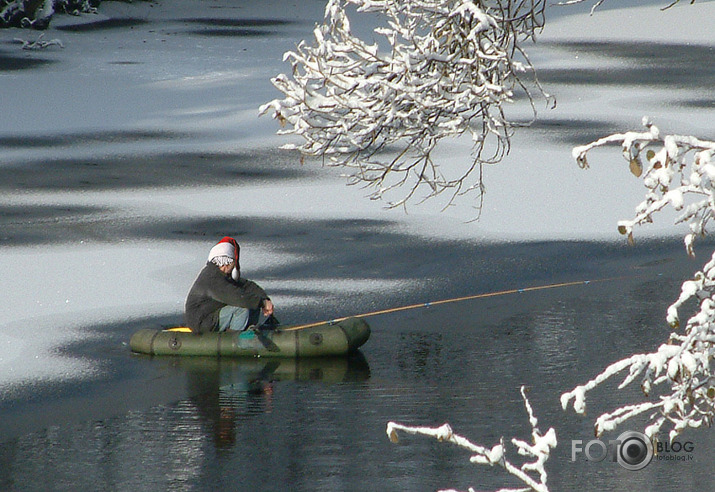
point(226, 391)
point(237, 372)
point(324, 339)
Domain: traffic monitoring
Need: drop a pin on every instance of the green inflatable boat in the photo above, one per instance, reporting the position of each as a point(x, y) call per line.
point(315, 340)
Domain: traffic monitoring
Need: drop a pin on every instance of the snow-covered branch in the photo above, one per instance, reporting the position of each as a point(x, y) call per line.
point(598, 3)
point(18, 13)
point(678, 172)
point(540, 449)
point(37, 14)
point(39, 43)
point(443, 69)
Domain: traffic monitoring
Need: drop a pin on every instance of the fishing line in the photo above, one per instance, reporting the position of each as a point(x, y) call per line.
point(457, 299)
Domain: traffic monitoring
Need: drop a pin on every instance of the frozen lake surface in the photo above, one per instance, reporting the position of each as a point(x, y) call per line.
point(125, 155)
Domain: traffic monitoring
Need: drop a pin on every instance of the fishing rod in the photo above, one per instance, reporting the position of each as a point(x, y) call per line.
point(456, 299)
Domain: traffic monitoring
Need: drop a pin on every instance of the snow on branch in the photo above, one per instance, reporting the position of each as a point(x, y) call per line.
point(378, 109)
point(39, 43)
point(37, 14)
point(678, 172)
point(539, 449)
point(598, 3)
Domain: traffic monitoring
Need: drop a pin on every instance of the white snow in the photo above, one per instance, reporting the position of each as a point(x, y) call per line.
point(211, 87)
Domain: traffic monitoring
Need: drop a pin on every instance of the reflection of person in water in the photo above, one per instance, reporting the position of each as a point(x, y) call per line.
point(226, 391)
point(205, 387)
point(222, 407)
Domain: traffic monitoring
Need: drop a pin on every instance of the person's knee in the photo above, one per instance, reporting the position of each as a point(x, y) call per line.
point(233, 318)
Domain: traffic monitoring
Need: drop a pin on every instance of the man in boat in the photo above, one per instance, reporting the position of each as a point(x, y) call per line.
point(220, 299)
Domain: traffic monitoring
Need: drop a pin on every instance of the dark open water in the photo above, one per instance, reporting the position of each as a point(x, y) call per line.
point(196, 424)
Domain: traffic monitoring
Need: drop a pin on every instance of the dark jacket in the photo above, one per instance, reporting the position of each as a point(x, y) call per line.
point(212, 290)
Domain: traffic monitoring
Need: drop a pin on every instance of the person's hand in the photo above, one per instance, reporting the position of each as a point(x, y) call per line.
point(267, 307)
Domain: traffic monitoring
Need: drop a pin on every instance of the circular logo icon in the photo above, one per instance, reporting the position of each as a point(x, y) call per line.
point(635, 450)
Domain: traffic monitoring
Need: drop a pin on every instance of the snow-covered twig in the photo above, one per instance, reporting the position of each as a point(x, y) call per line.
point(38, 14)
point(77, 7)
point(39, 44)
point(574, 2)
point(678, 172)
point(598, 3)
point(19, 13)
point(443, 69)
point(540, 449)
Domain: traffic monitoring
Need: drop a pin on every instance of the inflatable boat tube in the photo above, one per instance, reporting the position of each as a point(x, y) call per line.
point(325, 339)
